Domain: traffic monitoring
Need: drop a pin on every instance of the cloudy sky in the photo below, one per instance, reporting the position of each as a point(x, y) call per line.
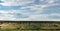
point(30, 10)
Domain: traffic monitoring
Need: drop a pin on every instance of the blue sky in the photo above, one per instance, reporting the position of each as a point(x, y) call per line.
point(30, 10)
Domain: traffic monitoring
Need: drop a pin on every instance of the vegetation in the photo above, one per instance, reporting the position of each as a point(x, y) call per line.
point(25, 30)
point(29, 26)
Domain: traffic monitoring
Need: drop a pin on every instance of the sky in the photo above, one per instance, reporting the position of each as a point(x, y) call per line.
point(30, 10)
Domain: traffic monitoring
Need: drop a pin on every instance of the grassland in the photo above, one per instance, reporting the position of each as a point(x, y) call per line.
point(25, 30)
point(29, 26)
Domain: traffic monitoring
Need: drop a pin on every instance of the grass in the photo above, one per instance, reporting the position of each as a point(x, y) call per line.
point(25, 30)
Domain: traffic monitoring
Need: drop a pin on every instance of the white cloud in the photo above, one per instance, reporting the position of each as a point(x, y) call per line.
point(51, 1)
point(24, 2)
point(4, 15)
point(43, 17)
point(37, 7)
point(11, 14)
point(16, 2)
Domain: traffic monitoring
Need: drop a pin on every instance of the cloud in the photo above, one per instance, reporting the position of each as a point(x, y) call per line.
point(16, 2)
point(45, 17)
point(4, 15)
point(26, 2)
point(28, 13)
point(12, 15)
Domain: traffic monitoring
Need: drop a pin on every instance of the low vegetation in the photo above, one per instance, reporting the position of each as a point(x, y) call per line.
point(25, 30)
point(29, 26)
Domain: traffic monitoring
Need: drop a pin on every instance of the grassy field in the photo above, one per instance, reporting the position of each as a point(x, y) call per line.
point(26, 30)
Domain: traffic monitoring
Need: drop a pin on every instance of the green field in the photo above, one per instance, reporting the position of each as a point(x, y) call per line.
point(26, 30)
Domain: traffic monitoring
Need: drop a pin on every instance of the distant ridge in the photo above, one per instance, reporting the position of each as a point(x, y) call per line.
point(31, 21)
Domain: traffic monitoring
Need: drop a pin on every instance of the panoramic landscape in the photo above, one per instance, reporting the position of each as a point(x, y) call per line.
point(29, 15)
